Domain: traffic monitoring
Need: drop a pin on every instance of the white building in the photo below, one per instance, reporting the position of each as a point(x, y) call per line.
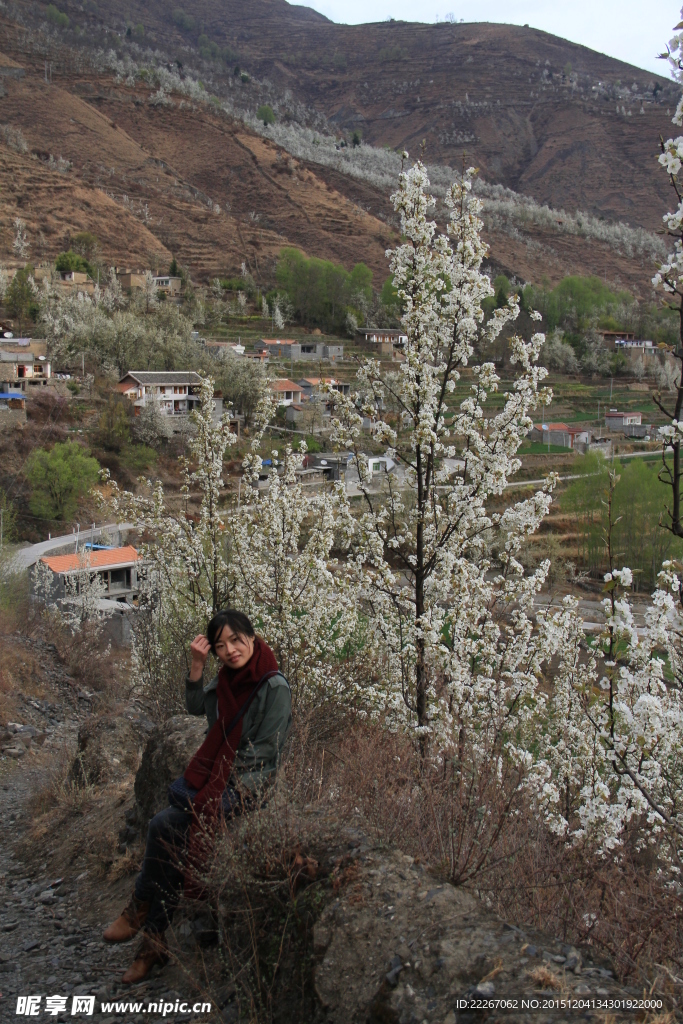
point(177, 391)
point(631, 345)
point(615, 420)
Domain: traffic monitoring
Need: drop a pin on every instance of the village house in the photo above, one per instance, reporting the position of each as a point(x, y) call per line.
point(331, 464)
point(277, 349)
point(286, 392)
point(381, 336)
point(560, 434)
point(168, 285)
point(319, 350)
point(130, 280)
point(310, 386)
point(258, 357)
point(631, 345)
point(12, 408)
point(223, 347)
point(615, 420)
point(117, 568)
point(610, 338)
point(176, 391)
point(21, 367)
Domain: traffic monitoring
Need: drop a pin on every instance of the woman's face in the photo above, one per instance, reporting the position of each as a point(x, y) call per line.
point(233, 649)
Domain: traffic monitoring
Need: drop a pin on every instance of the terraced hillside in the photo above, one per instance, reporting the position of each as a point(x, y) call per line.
point(155, 171)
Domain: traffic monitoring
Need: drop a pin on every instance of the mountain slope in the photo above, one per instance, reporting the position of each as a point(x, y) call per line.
point(156, 171)
point(567, 125)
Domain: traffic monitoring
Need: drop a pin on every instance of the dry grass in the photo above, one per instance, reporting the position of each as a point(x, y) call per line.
point(544, 977)
point(623, 908)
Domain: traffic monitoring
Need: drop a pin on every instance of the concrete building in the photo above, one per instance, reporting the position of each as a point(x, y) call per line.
point(168, 285)
point(611, 338)
point(12, 408)
point(177, 391)
point(331, 464)
point(286, 392)
point(130, 280)
point(310, 386)
point(277, 349)
point(377, 349)
point(630, 345)
point(19, 368)
point(560, 434)
point(319, 350)
point(615, 420)
point(116, 567)
point(380, 336)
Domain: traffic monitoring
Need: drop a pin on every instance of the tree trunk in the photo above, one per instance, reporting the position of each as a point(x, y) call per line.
point(420, 669)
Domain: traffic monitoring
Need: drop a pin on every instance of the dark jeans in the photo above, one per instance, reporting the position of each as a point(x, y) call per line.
point(160, 882)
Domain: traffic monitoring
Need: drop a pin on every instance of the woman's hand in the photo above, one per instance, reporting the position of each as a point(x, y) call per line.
point(200, 648)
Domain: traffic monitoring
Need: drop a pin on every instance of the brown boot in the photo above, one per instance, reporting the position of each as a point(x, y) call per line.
point(152, 950)
point(129, 923)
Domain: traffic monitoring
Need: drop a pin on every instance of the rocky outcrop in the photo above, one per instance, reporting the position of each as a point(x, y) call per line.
point(399, 946)
point(108, 746)
point(166, 756)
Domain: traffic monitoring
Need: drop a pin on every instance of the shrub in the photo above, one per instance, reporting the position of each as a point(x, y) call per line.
point(70, 261)
point(185, 22)
point(57, 17)
point(58, 478)
point(265, 114)
point(113, 427)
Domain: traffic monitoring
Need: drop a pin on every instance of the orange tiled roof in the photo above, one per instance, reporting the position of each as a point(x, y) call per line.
point(284, 385)
point(553, 426)
point(97, 559)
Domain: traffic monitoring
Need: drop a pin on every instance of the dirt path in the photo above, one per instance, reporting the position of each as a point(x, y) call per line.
point(55, 900)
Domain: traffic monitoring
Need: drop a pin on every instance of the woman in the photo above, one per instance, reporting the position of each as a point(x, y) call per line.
point(249, 710)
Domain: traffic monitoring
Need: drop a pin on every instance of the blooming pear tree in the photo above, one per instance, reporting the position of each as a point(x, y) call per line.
point(285, 577)
point(271, 556)
point(609, 746)
point(449, 602)
point(669, 278)
point(185, 554)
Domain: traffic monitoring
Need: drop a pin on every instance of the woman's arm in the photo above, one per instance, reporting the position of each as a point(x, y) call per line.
point(259, 752)
point(194, 697)
point(194, 690)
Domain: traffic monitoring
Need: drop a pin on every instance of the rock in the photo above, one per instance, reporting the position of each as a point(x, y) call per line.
point(169, 748)
point(108, 746)
point(485, 989)
point(14, 751)
point(457, 949)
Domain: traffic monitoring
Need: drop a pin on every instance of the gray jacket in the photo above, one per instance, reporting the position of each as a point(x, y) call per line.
point(265, 726)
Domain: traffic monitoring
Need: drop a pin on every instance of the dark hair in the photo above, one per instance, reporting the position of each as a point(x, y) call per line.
point(238, 622)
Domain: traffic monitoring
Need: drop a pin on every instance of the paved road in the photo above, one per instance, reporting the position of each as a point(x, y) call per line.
point(26, 557)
